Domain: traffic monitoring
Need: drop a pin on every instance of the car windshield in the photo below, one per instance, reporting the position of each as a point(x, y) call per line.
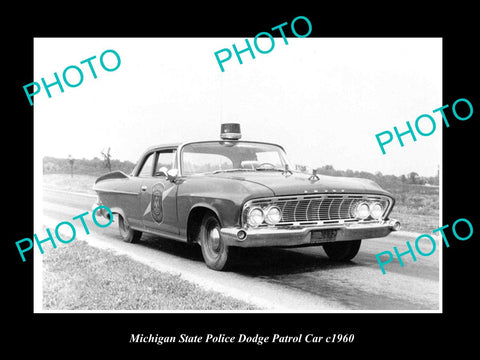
point(226, 156)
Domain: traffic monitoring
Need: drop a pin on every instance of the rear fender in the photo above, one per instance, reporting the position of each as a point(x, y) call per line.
point(114, 210)
point(119, 211)
point(112, 175)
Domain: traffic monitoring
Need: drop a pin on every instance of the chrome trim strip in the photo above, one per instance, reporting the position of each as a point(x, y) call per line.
point(117, 192)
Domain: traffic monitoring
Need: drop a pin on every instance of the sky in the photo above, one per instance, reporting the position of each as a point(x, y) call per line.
point(322, 99)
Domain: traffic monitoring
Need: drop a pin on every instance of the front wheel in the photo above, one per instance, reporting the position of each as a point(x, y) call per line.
point(342, 251)
point(215, 252)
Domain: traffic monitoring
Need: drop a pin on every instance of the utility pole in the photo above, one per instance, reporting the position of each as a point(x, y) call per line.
point(71, 160)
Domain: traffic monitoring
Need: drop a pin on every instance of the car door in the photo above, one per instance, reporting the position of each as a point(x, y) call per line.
point(158, 195)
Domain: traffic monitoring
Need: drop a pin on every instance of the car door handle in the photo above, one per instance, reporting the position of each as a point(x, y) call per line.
point(144, 188)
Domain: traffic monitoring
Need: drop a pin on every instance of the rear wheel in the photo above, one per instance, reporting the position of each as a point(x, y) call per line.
point(126, 232)
point(215, 252)
point(342, 251)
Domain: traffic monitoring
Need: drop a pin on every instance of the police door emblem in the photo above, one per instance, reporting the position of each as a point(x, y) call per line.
point(157, 206)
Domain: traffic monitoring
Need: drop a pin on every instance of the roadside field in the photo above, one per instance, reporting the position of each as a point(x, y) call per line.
point(81, 277)
point(417, 207)
point(77, 183)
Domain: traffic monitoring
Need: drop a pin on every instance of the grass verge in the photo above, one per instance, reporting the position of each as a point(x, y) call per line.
point(419, 223)
point(81, 277)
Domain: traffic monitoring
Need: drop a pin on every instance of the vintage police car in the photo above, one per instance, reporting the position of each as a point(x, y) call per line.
point(228, 193)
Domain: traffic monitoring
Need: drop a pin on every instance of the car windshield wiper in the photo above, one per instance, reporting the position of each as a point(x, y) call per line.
point(285, 171)
point(230, 170)
point(269, 169)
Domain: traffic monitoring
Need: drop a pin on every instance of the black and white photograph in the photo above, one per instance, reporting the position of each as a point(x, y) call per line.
point(262, 187)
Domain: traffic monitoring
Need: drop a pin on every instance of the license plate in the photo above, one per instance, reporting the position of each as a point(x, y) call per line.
point(319, 236)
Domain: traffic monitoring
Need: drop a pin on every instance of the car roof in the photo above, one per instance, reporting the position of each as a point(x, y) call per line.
point(177, 144)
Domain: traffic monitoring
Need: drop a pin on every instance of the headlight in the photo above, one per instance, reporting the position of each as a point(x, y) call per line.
point(376, 210)
point(255, 216)
point(362, 210)
point(273, 215)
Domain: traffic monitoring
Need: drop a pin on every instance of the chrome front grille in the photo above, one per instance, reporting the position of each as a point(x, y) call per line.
point(317, 209)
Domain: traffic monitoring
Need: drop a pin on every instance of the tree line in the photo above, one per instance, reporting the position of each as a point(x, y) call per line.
point(97, 166)
point(412, 178)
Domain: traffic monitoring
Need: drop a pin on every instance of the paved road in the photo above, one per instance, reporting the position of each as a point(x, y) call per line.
point(280, 279)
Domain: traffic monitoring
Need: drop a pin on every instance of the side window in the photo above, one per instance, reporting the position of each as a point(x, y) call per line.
point(165, 160)
point(147, 167)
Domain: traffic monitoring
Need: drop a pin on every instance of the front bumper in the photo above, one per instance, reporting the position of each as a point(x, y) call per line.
point(306, 236)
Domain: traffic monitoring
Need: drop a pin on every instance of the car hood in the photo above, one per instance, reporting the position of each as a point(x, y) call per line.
point(299, 183)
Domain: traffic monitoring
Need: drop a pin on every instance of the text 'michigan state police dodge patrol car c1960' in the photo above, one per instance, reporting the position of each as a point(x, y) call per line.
point(228, 193)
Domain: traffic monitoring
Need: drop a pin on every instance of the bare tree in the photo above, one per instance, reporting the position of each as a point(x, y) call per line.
point(106, 159)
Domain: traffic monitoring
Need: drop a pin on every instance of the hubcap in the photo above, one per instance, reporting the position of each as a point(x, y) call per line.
point(214, 239)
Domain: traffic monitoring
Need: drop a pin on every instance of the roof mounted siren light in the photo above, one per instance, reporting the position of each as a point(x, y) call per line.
point(230, 131)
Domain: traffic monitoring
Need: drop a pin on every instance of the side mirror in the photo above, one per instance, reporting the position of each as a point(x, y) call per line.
point(172, 175)
point(162, 171)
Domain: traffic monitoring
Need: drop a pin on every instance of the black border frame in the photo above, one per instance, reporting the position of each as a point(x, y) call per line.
point(64, 334)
